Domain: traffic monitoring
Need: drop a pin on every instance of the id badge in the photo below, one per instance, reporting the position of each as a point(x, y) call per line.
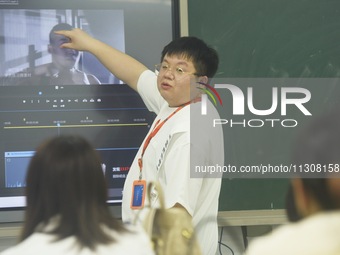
point(138, 194)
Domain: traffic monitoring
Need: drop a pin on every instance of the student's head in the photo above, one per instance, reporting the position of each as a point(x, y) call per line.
point(65, 181)
point(63, 59)
point(192, 49)
point(184, 59)
point(318, 145)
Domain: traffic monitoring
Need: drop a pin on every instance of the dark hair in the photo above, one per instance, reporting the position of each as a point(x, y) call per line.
point(204, 58)
point(65, 180)
point(290, 206)
point(60, 26)
point(319, 143)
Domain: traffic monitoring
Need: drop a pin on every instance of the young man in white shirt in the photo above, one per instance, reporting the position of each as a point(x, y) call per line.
point(167, 153)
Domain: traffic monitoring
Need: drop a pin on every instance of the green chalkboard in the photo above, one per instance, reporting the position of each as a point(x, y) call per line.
point(269, 39)
point(255, 194)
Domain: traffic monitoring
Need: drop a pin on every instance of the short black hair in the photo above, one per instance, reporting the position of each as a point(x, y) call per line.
point(319, 143)
point(60, 26)
point(204, 58)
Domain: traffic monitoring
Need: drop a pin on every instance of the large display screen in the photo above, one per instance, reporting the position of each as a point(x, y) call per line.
point(39, 99)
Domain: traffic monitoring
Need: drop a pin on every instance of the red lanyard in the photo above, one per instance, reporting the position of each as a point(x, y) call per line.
point(155, 130)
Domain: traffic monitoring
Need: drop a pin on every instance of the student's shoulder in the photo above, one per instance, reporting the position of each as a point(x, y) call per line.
point(135, 235)
point(30, 246)
point(308, 236)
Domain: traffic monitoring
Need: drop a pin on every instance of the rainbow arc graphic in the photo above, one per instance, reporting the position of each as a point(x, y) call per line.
point(211, 92)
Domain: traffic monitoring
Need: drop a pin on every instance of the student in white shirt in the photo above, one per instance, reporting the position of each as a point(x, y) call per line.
point(66, 211)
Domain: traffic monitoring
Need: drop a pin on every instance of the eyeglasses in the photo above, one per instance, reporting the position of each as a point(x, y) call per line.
point(178, 72)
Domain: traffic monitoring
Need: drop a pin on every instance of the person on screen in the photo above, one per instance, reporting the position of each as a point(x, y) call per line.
point(62, 70)
point(66, 211)
point(168, 152)
point(315, 216)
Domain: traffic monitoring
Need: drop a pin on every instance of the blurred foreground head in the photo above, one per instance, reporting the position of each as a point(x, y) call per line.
point(65, 181)
point(318, 145)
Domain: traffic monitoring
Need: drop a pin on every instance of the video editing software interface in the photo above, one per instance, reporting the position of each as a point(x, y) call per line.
point(38, 101)
point(113, 119)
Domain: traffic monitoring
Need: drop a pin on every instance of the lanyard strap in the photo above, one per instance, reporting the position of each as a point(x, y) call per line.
point(152, 134)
